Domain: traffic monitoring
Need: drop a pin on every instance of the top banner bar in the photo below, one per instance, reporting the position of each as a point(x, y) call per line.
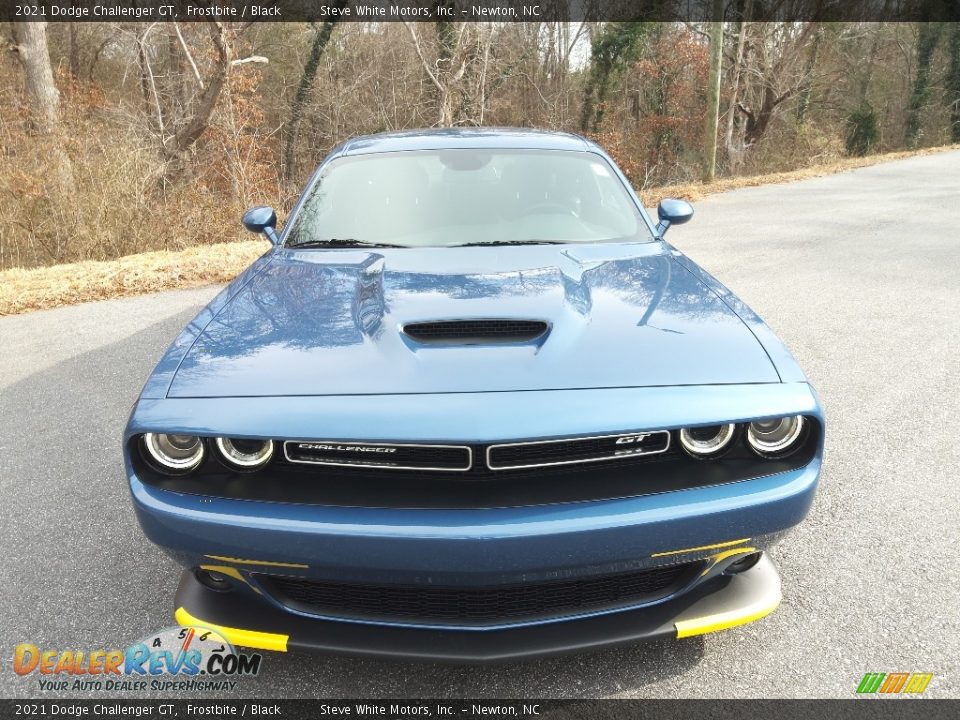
point(477, 10)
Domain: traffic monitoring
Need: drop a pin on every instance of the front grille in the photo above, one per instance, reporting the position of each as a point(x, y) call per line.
point(475, 332)
point(461, 458)
point(429, 604)
point(576, 450)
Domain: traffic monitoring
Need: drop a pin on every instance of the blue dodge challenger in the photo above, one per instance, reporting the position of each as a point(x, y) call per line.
point(472, 406)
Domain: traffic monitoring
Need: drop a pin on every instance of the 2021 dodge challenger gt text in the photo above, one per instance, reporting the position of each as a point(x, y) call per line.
point(472, 406)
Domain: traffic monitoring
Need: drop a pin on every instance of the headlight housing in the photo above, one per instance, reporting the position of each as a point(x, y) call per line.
point(704, 442)
point(174, 453)
point(776, 437)
point(245, 454)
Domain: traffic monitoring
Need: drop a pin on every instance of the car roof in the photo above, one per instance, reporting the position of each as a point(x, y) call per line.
point(449, 138)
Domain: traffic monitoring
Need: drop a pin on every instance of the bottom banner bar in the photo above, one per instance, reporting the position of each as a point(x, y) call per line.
point(554, 709)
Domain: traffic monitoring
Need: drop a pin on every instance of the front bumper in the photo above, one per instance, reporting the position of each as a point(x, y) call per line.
point(244, 539)
point(720, 603)
point(472, 547)
point(475, 546)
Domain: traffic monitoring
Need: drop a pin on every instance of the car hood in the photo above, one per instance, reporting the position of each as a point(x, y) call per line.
point(329, 322)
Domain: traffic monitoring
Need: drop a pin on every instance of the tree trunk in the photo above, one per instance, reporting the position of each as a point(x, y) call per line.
point(176, 143)
point(74, 50)
point(805, 93)
point(868, 69)
point(713, 96)
point(43, 100)
point(320, 41)
point(927, 40)
point(441, 71)
point(759, 120)
point(175, 87)
point(953, 83)
point(735, 150)
point(446, 47)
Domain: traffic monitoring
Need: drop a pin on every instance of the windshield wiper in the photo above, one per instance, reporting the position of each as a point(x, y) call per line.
point(510, 242)
point(342, 243)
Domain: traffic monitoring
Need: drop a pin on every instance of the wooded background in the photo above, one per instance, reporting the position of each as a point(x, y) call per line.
point(118, 138)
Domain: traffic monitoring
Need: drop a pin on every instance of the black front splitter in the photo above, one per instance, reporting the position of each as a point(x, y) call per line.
point(248, 621)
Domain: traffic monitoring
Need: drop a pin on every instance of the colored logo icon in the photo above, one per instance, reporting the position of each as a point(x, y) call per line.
point(894, 683)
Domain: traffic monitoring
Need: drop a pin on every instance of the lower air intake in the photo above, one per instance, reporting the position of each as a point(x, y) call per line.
point(488, 605)
point(475, 332)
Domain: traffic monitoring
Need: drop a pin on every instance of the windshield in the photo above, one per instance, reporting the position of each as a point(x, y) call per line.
point(467, 197)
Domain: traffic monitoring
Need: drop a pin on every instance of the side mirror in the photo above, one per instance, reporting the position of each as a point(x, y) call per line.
point(673, 212)
point(262, 219)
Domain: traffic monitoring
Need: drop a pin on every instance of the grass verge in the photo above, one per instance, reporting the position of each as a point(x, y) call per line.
point(49, 287)
point(695, 191)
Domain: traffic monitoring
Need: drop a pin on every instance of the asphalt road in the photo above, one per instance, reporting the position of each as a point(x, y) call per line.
point(857, 272)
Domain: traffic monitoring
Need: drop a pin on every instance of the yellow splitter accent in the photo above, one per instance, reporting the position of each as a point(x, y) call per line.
point(237, 636)
point(748, 596)
point(722, 621)
point(715, 546)
point(243, 561)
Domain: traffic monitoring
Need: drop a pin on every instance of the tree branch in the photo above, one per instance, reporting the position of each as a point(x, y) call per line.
point(186, 51)
point(423, 60)
point(190, 132)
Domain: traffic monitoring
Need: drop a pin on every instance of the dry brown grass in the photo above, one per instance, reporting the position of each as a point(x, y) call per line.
point(23, 290)
point(695, 191)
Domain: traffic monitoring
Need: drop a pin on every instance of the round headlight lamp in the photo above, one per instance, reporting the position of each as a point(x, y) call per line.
point(775, 437)
point(709, 441)
point(174, 453)
point(245, 454)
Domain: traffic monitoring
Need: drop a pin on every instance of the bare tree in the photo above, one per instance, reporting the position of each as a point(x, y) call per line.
point(459, 68)
point(191, 131)
point(735, 150)
point(806, 90)
point(927, 40)
point(440, 71)
point(74, 49)
point(778, 70)
point(320, 39)
point(953, 83)
point(43, 100)
point(713, 95)
point(178, 124)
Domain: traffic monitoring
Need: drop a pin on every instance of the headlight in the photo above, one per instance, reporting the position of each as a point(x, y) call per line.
point(776, 437)
point(178, 453)
point(246, 454)
point(707, 441)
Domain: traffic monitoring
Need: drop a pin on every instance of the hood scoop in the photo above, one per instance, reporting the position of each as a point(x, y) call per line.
point(488, 331)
